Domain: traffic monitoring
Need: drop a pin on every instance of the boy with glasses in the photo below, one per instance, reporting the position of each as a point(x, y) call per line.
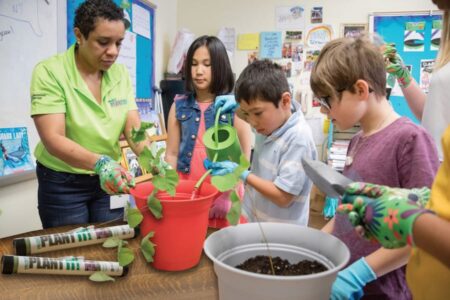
point(349, 80)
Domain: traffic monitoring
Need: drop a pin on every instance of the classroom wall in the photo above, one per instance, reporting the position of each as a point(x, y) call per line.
point(251, 16)
point(18, 202)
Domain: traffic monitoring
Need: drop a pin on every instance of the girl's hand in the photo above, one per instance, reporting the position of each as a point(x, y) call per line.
point(385, 214)
point(226, 102)
point(395, 66)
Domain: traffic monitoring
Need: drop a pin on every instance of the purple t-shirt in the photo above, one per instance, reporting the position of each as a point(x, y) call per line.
point(401, 155)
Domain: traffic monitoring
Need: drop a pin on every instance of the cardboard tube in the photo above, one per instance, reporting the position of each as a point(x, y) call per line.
point(12, 264)
point(71, 239)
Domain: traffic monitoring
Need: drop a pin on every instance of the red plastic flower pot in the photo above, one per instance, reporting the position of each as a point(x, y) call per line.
point(180, 233)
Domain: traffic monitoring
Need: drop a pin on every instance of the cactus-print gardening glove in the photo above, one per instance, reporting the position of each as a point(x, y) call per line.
point(114, 179)
point(395, 67)
point(386, 214)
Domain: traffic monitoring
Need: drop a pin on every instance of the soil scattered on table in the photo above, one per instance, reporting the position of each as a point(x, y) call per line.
point(261, 264)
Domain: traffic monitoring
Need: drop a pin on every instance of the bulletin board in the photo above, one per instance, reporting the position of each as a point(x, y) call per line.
point(392, 27)
point(142, 14)
point(29, 32)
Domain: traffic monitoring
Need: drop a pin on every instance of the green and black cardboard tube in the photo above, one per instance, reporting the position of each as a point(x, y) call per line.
point(12, 264)
point(71, 239)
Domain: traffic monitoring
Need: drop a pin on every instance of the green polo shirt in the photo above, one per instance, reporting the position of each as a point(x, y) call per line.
point(57, 87)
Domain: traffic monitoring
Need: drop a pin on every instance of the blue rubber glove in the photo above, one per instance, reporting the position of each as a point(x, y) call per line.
point(224, 167)
point(350, 282)
point(227, 103)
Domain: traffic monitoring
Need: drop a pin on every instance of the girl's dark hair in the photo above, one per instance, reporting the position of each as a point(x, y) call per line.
point(89, 11)
point(262, 80)
point(222, 79)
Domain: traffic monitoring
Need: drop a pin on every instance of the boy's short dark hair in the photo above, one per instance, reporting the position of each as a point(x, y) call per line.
point(89, 11)
point(262, 80)
point(222, 78)
point(343, 61)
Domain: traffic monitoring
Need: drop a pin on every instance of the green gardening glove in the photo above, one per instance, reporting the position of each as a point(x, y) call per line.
point(395, 67)
point(386, 214)
point(114, 179)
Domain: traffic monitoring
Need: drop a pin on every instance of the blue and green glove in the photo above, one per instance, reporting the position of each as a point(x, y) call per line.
point(227, 103)
point(114, 179)
point(395, 67)
point(351, 281)
point(385, 214)
point(224, 167)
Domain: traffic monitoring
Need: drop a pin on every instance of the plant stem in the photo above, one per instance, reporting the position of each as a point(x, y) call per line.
point(262, 233)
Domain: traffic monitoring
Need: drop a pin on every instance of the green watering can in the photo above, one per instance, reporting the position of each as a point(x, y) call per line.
point(222, 139)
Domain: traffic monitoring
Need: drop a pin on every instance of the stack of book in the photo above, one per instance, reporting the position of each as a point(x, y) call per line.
point(337, 154)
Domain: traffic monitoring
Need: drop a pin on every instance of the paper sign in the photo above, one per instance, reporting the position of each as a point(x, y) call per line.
point(270, 45)
point(248, 41)
point(141, 21)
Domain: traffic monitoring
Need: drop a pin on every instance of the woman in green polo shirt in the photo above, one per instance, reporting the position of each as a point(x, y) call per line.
point(81, 103)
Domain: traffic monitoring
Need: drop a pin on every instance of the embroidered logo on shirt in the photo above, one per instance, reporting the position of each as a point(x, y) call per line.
point(117, 102)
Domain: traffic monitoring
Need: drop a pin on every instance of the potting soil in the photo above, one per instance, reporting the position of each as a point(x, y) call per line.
point(261, 264)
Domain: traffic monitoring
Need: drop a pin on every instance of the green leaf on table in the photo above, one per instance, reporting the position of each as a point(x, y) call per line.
point(167, 183)
point(234, 213)
point(126, 256)
point(147, 247)
point(100, 277)
point(134, 217)
point(155, 206)
point(139, 135)
point(112, 242)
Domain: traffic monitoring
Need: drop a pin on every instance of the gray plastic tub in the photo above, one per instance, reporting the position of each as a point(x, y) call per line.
point(233, 245)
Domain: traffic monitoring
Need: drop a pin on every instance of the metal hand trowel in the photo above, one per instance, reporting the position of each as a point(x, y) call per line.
point(328, 180)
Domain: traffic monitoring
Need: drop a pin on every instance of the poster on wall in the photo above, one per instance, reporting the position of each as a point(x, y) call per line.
point(316, 14)
point(290, 17)
point(436, 35)
point(317, 36)
point(15, 156)
point(414, 40)
point(270, 45)
point(426, 70)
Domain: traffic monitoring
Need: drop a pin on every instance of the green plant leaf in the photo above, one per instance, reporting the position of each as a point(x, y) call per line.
point(147, 247)
point(167, 183)
point(234, 213)
point(111, 242)
point(225, 182)
point(100, 277)
point(243, 162)
point(146, 160)
point(134, 217)
point(126, 256)
point(139, 135)
point(155, 206)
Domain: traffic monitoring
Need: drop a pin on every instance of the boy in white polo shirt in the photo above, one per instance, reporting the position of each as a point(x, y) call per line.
point(277, 189)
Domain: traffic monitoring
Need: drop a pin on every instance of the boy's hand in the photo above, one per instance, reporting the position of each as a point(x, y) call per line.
point(224, 167)
point(226, 102)
point(384, 214)
point(113, 178)
point(395, 67)
point(351, 281)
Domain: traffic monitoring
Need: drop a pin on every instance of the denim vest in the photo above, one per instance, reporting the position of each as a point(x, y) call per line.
point(188, 115)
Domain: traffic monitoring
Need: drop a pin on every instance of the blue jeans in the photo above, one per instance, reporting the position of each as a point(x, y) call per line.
point(66, 198)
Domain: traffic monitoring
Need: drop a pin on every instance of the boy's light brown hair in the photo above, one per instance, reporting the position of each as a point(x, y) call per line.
point(342, 62)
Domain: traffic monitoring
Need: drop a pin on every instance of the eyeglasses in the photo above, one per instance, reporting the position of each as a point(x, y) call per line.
point(325, 101)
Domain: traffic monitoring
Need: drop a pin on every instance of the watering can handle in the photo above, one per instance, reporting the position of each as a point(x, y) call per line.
point(216, 126)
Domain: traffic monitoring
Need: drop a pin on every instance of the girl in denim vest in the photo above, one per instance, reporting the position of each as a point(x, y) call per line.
point(208, 78)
